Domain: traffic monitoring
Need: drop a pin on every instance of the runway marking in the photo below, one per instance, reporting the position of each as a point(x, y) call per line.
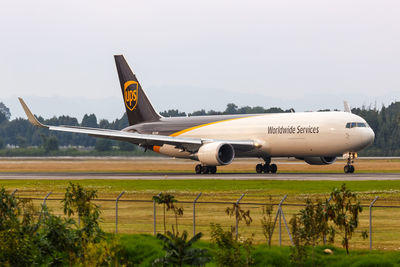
point(221, 176)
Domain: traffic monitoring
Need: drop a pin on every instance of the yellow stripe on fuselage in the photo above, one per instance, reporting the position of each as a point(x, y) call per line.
point(206, 124)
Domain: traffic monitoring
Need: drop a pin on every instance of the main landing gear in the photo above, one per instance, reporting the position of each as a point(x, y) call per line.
point(199, 169)
point(349, 168)
point(267, 167)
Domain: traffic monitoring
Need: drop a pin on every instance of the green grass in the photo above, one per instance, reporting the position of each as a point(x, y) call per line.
point(143, 249)
point(140, 250)
point(267, 186)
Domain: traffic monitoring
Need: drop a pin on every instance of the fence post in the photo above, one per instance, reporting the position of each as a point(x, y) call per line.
point(15, 191)
point(154, 216)
point(43, 204)
point(116, 211)
point(237, 217)
point(280, 215)
point(370, 221)
point(194, 213)
point(45, 198)
point(287, 227)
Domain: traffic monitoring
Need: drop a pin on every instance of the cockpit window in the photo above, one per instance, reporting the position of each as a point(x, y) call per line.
point(356, 124)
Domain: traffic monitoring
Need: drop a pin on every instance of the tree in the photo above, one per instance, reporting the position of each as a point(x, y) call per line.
point(5, 111)
point(78, 200)
point(51, 144)
point(103, 144)
point(298, 253)
point(173, 113)
point(104, 124)
point(309, 228)
point(239, 214)
point(179, 251)
point(2, 144)
point(198, 113)
point(17, 231)
point(267, 222)
point(3, 118)
point(21, 141)
point(167, 201)
point(126, 146)
point(344, 210)
point(178, 212)
point(231, 109)
point(89, 121)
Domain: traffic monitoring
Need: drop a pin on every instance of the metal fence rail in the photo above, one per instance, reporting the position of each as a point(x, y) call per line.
point(196, 202)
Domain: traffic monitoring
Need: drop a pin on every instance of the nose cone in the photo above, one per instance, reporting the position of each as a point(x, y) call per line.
point(369, 137)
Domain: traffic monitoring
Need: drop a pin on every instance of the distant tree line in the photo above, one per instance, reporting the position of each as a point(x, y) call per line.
point(230, 109)
point(19, 132)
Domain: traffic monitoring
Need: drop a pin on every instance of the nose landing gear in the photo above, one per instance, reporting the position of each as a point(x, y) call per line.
point(351, 156)
point(199, 169)
point(267, 167)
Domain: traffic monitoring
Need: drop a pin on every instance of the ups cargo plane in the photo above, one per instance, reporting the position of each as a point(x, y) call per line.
point(318, 138)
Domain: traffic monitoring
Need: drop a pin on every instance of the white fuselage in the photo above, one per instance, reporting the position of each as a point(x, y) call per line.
point(304, 134)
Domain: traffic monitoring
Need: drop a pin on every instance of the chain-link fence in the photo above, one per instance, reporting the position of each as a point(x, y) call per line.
point(137, 213)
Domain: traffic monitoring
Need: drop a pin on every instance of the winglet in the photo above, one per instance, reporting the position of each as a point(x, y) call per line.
point(347, 107)
point(32, 119)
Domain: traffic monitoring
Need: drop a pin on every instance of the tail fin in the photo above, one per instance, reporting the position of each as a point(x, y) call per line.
point(137, 105)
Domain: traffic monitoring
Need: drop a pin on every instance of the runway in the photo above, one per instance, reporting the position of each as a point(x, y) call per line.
point(188, 176)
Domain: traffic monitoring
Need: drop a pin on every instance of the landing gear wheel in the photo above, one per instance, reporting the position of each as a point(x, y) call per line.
point(349, 169)
point(205, 170)
point(273, 168)
point(198, 169)
point(352, 169)
point(259, 168)
point(351, 156)
point(213, 169)
point(266, 168)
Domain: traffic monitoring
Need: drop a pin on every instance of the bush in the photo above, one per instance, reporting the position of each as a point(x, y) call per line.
point(30, 238)
point(228, 251)
point(139, 250)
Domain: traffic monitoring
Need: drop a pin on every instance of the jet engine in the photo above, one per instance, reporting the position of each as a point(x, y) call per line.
point(215, 154)
point(320, 160)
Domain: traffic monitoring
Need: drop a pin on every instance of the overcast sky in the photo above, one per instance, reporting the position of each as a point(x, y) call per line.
point(188, 55)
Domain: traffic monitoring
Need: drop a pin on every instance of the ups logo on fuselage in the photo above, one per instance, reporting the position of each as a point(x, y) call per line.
point(131, 94)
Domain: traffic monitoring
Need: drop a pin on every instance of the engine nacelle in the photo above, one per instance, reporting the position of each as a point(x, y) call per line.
point(320, 160)
point(215, 154)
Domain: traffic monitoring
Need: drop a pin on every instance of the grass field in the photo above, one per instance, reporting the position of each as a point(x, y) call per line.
point(137, 217)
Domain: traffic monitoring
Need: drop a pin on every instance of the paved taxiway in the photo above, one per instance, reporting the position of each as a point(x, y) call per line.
point(221, 176)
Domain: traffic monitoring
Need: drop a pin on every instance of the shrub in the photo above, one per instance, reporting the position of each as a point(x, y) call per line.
point(229, 251)
point(343, 211)
point(179, 250)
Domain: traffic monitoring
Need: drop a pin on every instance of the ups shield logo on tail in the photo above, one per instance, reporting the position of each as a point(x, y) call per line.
point(131, 94)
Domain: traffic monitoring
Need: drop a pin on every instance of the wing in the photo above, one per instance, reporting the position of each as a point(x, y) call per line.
point(189, 144)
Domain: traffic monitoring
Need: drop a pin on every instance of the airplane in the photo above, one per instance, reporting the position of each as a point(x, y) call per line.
point(317, 138)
